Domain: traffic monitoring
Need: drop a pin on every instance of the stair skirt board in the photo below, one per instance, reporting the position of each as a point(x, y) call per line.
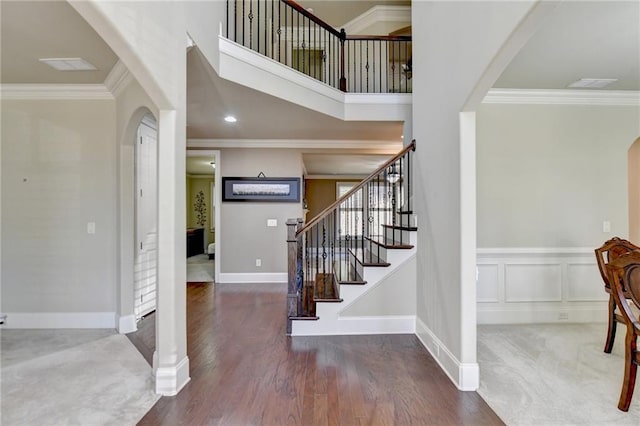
point(127, 324)
point(330, 321)
point(267, 278)
point(356, 325)
point(60, 320)
point(466, 376)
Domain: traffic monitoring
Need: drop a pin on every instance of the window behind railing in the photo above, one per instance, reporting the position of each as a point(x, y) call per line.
point(285, 32)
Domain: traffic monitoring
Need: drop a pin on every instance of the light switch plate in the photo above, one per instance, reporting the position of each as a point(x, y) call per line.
point(91, 228)
point(272, 222)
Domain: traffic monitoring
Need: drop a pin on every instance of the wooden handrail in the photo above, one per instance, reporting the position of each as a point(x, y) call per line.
point(334, 205)
point(312, 17)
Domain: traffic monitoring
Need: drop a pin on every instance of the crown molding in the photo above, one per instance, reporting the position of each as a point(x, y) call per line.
point(55, 92)
point(119, 77)
point(369, 145)
point(563, 97)
point(376, 14)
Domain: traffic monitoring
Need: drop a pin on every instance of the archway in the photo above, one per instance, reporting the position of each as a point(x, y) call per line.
point(633, 171)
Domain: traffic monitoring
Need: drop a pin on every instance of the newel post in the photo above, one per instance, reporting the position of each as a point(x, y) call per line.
point(292, 271)
point(343, 78)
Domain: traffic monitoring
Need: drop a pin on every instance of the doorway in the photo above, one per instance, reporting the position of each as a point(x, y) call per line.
point(202, 214)
point(146, 222)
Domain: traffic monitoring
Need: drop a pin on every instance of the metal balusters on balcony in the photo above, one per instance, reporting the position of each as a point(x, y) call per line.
point(286, 32)
point(354, 232)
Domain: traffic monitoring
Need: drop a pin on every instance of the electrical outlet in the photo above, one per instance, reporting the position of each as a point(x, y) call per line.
point(606, 226)
point(258, 262)
point(91, 228)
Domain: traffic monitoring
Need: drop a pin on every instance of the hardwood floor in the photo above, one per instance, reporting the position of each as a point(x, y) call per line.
point(246, 371)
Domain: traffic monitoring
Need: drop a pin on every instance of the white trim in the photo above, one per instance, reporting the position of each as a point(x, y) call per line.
point(266, 277)
point(119, 77)
point(369, 145)
point(389, 324)
point(171, 380)
point(127, 324)
point(545, 314)
point(377, 14)
point(337, 177)
point(534, 250)
point(60, 320)
point(563, 97)
point(55, 91)
point(467, 375)
point(378, 98)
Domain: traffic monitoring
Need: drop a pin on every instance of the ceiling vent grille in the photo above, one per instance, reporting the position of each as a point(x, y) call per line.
point(593, 83)
point(69, 64)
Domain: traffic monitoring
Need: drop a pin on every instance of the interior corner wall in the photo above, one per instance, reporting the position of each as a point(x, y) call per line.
point(320, 193)
point(633, 177)
point(244, 235)
point(58, 175)
point(455, 44)
point(550, 175)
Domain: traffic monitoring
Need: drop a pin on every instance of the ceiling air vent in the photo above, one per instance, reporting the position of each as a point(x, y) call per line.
point(68, 64)
point(593, 83)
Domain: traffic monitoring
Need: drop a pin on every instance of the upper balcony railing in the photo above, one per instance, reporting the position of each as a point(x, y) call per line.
point(286, 32)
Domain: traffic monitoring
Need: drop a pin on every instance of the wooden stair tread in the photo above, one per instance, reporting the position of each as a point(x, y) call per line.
point(389, 243)
point(401, 228)
point(367, 258)
point(325, 289)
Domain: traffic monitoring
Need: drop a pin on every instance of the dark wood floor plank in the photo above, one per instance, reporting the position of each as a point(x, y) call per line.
point(246, 371)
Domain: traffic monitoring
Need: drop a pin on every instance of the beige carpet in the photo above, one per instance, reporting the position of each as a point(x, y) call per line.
point(200, 269)
point(72, 377)
point(553, 374)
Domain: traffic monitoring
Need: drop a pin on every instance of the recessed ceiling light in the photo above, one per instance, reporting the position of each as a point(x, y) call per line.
point(69, 64)
point(593, 83)
point(230, 119)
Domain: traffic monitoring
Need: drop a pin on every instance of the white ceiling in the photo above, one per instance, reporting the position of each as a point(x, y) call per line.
point(49, 29)
point(581, 39)
point(200, 165)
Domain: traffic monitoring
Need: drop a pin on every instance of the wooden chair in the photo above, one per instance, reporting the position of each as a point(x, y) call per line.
point(609, 251)
point(624, 277)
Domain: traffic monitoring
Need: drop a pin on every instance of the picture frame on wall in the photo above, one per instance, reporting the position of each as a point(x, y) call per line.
point(261, 189)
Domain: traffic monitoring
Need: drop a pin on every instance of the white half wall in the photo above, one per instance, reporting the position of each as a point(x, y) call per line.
point(539, 285)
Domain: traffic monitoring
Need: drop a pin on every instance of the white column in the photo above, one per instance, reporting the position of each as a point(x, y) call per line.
point(170, 361)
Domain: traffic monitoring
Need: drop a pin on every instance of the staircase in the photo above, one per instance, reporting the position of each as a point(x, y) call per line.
point(350, 248)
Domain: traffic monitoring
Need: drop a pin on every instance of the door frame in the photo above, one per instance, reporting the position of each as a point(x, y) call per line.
point(214, 153)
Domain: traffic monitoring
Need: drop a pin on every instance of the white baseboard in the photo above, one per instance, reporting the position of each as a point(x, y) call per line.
point(466, 376)
point(127, 324)
point(171, 380)
point(267, 277)
point(558, 314)
point(405, 324)
point(60, 320)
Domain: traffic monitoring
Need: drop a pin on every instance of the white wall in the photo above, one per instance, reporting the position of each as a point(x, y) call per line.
point(243, 233)
point(549, 175)
point(58, 174)
point(391, 296)
point(458, 43)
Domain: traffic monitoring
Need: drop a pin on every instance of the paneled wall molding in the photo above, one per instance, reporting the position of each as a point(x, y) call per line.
point(55, 92)
point(543, 284)
point(563, 97)
point(379, 13)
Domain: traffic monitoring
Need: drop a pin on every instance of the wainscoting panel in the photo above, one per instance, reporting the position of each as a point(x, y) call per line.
point(488, 283)
point(529, 285)
point(533, 282)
